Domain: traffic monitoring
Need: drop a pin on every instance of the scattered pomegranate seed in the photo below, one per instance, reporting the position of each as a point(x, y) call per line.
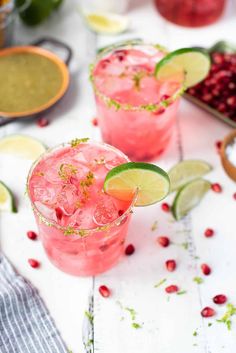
point(121, 212)
point(42, 122)
point(172, 289)
point(31, 235)
point(220, 299)
point(206, 270)
point(170, 265)
point(216, 187)
point(234, 195)
point(104, 291)
point(163, 241)
point(59, 213)
point(207, 312)
point(218, 145)
point(209, 232)
point(129, 250)
point(34, 263)
point(165, 207)
point(95, 122)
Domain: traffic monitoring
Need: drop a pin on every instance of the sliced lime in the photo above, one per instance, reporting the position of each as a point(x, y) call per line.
point(22, 146)
point(193, 63)
point(7, 202)
point(186, 171)
point(149, 181)
point(107, 23)
point(189, 196)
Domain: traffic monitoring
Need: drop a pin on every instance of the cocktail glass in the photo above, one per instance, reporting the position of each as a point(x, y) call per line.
point(191, 13)
point(82, 229)
point(136, 112)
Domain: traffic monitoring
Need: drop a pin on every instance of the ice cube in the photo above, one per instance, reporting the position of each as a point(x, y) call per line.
point(105, 211)
point(46, 211)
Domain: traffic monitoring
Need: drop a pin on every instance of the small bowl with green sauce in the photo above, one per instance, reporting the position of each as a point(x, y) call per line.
point(32, 80)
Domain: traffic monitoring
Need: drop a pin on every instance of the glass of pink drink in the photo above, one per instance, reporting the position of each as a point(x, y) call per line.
point(82, 229)
point(136, 112)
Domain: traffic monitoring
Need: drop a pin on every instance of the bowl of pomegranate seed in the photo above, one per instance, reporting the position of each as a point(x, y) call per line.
point(217, 93)
point(228, 154)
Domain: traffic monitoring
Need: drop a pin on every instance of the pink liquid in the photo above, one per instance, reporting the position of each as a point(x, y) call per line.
point(127, 77)
point(82, 229)
point(191, 13)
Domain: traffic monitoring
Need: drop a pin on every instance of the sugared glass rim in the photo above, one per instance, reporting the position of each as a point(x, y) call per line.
point(129, 107)
point(82, 232)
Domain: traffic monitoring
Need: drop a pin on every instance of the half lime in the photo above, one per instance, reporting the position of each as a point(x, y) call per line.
point(189, 196)
point(190, 63)
point(106, 23)
point(150, 182)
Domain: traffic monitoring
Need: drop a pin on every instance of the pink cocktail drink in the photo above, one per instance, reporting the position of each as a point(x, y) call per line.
point(136, 112)
point(82, 229)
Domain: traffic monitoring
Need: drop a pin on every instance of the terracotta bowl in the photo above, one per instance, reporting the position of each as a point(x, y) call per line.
point(228, 166)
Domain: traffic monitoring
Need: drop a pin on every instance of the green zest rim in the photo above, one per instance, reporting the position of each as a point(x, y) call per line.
point(71, 230)
point(129, 107)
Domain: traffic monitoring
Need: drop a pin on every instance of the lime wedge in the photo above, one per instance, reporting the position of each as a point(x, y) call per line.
point(189, 196)
point(193, 63)
point(186, 171)
point(106, 23)
point(7, 202)
point(149, 181)
point(22, 146)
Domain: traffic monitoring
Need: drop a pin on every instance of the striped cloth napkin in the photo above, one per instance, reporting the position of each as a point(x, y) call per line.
point(25, 324)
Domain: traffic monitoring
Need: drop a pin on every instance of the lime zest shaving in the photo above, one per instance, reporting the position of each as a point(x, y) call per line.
point(75, 142)
point(89, 316)
point(226, 318)
point(154, 226)
point(160, 283)
point(66, 171)
point(198, 280)
point(181, 292)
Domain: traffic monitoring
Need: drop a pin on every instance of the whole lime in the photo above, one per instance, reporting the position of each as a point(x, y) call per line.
point(38, 10)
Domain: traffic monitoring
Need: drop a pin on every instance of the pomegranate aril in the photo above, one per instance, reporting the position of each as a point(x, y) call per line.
point(163, 241)
point(59, 213)
point(209, 233)
point(172, 289)
point(220, 299)
point(104, 291)
point(34, 263)
point(208, 312)
point(95, 122)
point(120, 213)
point(42, 122)
point(165, 207)
point(218, 145)
point(216, 187)
point(206, 270)
point(234, 196)
point(170, 265)
point(31, 235)
point(129, 250)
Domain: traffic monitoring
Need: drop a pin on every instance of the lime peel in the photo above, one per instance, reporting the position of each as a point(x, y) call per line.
point(7, 202)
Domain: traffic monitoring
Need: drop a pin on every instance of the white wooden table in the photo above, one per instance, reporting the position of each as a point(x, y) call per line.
point(168, 322)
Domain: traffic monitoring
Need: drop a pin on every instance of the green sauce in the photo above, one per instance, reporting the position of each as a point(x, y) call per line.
point(27, 81)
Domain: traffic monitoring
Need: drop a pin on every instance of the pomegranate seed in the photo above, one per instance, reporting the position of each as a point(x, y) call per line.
point(216, 187)
point(42, 122)
point(172, 289)
point(165, 207)
point(207, 312)
point(121, 212)
point(160, 111)
point(130, 249)
point(104, 291)
point(220, 299)
point(234, 195)
point(209, 233)
point(34, 263)
point(95, 122)
point(170, 265)
point(206, 270)
point(59, 213)
point(218, 145)
point(31, 235)
point(163, 241)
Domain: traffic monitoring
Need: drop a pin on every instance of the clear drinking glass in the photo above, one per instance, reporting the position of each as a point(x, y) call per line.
point(136, 112)
point(191, 13)
point(82, 229)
